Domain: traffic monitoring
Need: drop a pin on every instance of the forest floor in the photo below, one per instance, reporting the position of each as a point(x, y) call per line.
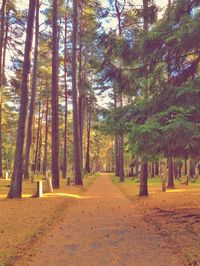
point(103, 225)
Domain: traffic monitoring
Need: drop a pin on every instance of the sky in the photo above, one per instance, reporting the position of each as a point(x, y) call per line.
point(160, 3)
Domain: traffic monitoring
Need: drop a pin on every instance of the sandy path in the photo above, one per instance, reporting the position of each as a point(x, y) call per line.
point(102, 229)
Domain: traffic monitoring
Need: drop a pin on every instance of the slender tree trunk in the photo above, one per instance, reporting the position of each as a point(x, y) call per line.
point(153, 169)
point(38, 135)
point(121, 149)
point(3, 11)
point(185, 164)
point(81, 98)
point(175, 169)
point(15, 190)
point(38, 162)
point(54, 100)
point(157, 167)
point(170, 173)
point(46, 137)
point(117, 161)
point(136, 166)
point(76, 133)
point(66, 104)
point(143, 179)
point(87, 163)
point(192, 168)
point(32, 101)
point(5, 46)
point(144, 164)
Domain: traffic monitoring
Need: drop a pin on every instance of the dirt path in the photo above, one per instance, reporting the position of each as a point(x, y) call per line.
point(102, 229)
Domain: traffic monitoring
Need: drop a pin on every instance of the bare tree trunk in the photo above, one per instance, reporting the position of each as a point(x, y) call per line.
point(54, 100)
point(76, 133)
point(32, 101)
point(170, 183)
point(38, 135)
point(143, 179)
point(186, 168)
point(66, 104)
point(153, 169)
point(5, 46)
point(144, 164)
point(87, 163)
point(117, 161)
point(157, 167)
point(3, 11)
point(81, 99)
point(46, 137)
point(15, 190)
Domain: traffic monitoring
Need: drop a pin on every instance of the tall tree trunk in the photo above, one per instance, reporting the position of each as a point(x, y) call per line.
point(15, 190)
point(121, 146)
point(81, 98)
point(119, 11)
point(144, 164)
point(157, 167)
point(5, 45)
point(143, 179)
point(186, 169)
point(3, 11)
point(54, 100)
point(38, 162)
point(66, 104)
point(153, 169)
point(117, 166)
point(192, 168)
point(87, 162)
point(32, 101)
point(76, 133)
point(46, 137)
point(38, 135)
point(170, 183)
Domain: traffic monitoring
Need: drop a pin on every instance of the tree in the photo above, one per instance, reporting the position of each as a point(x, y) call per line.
point(144, 164)
point(33, 92)
point(3, 11)
point(76, 133)
point(15, 190)
point(54, 99)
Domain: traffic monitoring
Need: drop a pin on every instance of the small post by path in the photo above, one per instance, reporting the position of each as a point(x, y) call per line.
point(7, 175)
point(39, 191)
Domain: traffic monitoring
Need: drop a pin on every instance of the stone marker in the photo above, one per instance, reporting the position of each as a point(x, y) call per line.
point(39, 191)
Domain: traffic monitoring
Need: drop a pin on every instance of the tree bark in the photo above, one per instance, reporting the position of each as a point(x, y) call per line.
point(144, 164)
point(170, 183)
point(143, 179)
point(54, 100)
point(157, 167)
point(3, 11)
point(46, 137)
point(15, 190)
point(32, 101)
point(87, 162)
point(153, 169)
point(117, 166)
point(81, 98)
point(66, 104)
point(76, 126)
